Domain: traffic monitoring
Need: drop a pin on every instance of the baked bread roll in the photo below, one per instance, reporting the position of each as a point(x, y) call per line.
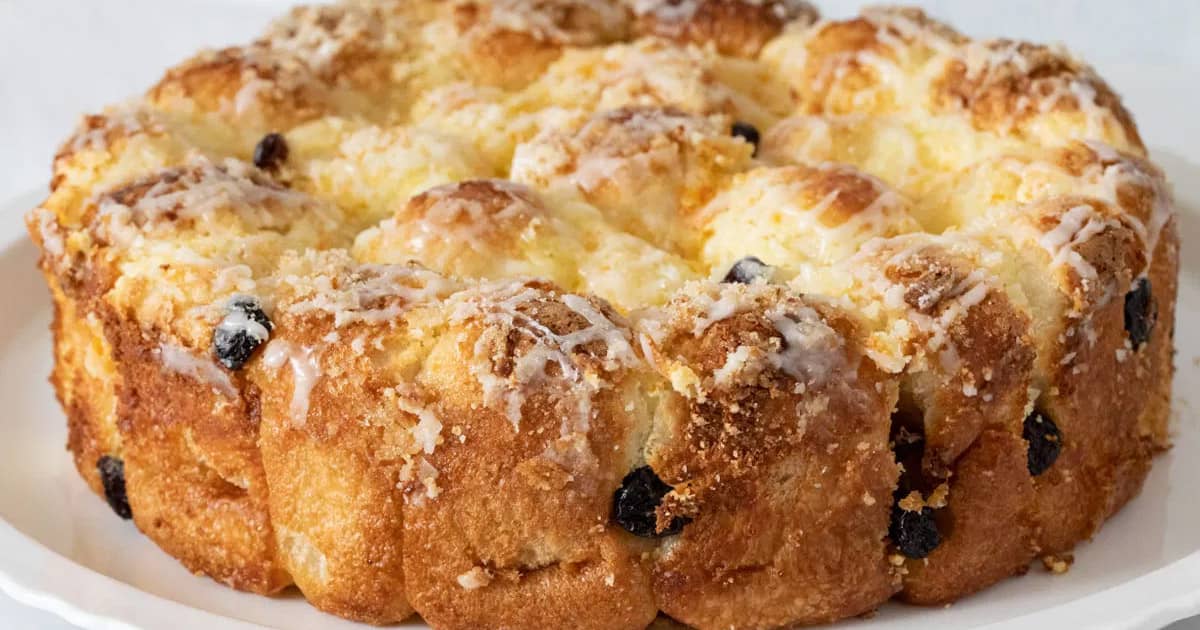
point(572, 314)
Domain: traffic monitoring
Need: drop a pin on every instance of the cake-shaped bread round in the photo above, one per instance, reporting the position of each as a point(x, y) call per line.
point(565, 313)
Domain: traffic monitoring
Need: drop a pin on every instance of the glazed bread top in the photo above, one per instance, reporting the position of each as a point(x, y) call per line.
point(580, 174)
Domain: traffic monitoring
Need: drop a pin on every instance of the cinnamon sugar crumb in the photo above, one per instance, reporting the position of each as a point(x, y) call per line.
point(477, 577)
point(938, 498)
point(912, 503)
point(1058, 564)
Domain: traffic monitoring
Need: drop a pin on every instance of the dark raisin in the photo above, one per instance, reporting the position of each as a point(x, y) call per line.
point(915, 534)
point(112, 477)
point(244, 328)
point(1045, 442)
point(747, 132)
point(747, 270)
point(635, 502)
point(1140, 312)
point(271, 151)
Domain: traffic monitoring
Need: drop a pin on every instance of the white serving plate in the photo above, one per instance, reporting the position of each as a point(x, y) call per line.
point(63, 550)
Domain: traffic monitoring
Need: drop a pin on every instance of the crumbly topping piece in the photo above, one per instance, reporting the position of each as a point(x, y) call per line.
point(477, 577)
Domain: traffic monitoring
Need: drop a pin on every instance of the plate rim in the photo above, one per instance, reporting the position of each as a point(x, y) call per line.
point(1151, 600)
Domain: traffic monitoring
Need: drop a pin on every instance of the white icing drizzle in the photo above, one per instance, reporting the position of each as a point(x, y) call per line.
point(817, 132)
point(460, 219)
point(268, 75)
point(807, 349)
point(726, 305)
point(668, 11)
point(47, 226)
point(202, 369)
point(909, 30)
point(371, 293)
point(306, 371)
point(810, 351)
point(1076, 227)
point(237, 320)
point(318, 35)
point(238, 278)
point(1121, 172)
point(198, 192)
point(248, 96)
point(543, 20)
point(736, 364)
point(763, 194)
point(638, 148)
point(954, 302)
point(126, 119)
point(985, 58)
point(498, 304)
point(1103, 179)
point(648, 73)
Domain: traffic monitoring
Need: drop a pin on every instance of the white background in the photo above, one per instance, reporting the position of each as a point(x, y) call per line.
point(59, 58)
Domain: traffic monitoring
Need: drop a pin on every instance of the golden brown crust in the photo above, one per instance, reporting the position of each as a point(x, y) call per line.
point(897, 62)
point(848, 65)
point(542, 552)
point(738, 28)
point(965, 371)
point(1103, 399)
point(508, 43)
point(331, 468)
point(464, 229)
point(763, 424)
point(344, 45)
point(243, 82)
point(970, 355)
point(674, 159)
point(1017, 81)
point(988, 534)
point(101, 132)
point(89, 402)
point(192, 468)
point(486, 216)
point(1092, 383)
point(647, 72)
point(192, 471)
point(312, 62)
point(800, 215)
